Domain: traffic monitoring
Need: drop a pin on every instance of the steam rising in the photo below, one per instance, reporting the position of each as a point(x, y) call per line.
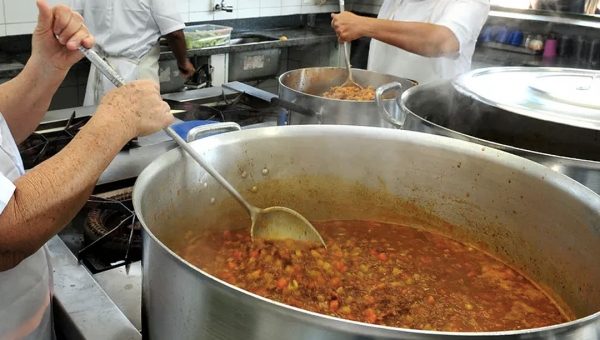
point(439, 103)
point(573, 6)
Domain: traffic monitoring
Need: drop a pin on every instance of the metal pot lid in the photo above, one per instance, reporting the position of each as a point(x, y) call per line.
point(559, 95)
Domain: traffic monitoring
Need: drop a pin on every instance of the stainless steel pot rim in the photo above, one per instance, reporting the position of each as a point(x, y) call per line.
point(485, 142)
point(282, 83)
point(560, 116)
point(494, 156)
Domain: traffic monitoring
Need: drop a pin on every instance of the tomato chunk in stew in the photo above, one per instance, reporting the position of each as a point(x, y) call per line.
point(381, 274)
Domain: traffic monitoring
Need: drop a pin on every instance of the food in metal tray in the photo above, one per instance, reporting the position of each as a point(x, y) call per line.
point(383, 274)
point(351, 93)
point(202, 39)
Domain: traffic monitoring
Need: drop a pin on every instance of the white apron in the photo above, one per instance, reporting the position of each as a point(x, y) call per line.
point(26, 290)
point(388, 59)
point(98, 85)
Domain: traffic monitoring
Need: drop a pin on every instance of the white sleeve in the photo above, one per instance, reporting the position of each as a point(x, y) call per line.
point(7, 189)
point(465, 18)
point(167, 16)
point(76, 5)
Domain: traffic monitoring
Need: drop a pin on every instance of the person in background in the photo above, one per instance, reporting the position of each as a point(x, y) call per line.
point(127, 34)
point(36, 205)
point(422, 40)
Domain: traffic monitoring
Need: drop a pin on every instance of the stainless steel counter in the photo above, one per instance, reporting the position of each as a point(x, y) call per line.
point(125, 289)
point(83, 310)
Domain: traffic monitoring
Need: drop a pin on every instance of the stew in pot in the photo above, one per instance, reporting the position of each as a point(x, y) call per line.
point(351, 93)
point(382, 274)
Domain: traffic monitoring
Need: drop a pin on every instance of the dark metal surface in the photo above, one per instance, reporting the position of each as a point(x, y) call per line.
point(438, 108)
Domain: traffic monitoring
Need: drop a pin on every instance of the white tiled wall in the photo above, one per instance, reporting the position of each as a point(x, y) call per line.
point(19, 16)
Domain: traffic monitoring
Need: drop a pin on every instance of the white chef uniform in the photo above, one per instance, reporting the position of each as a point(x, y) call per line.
point(26, 290)
point(127, 34)
point(464, 18)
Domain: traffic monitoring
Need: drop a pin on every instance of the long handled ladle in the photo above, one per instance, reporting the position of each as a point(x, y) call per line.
point(349, 80)
point(269, 223)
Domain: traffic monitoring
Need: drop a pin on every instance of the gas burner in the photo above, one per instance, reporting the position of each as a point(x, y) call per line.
point(111, 232)
point(42, 145)
point(50, 138)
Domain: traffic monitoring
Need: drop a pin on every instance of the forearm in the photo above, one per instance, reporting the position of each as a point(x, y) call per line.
point(176, 41)
point(25, 99)
point(50, 195)
point(424, 39)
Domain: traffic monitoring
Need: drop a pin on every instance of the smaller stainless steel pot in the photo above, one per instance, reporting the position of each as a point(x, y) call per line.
point(305, 87)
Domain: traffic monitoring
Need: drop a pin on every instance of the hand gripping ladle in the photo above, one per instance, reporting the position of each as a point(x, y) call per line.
point(270, 223)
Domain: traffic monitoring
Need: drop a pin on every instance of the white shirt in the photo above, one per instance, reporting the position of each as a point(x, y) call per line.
point(129, 28)
point(25, 290)
point(465, 18)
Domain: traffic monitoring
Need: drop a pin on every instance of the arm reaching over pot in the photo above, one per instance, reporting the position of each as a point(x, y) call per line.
point(36, 205)
point(420, 40)
point(46, 198)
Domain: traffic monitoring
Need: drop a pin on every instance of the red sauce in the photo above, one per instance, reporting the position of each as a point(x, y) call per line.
point(382, 274)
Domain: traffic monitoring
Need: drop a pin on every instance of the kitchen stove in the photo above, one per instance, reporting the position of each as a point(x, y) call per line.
point(96, 258)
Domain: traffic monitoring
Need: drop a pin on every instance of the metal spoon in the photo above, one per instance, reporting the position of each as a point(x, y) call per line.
point(269, 223)
point(349, 81)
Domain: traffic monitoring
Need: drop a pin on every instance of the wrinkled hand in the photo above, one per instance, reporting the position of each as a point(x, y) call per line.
point(348, 26)
point(187, 70)
point(140, 107)
point(59, 21)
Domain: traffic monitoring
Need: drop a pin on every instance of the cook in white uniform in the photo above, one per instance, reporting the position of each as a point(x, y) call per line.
point(423, 40)
point(127, 34)
point(36, 205)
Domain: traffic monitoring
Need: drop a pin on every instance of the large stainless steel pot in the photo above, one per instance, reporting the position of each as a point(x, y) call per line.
point(305, 87)
point(438, 108)
point(526, 214)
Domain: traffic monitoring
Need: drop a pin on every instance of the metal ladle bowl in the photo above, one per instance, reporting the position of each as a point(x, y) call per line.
point(270, 223)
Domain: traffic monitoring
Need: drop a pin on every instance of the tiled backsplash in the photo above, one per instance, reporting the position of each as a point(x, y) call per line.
point(19, 16)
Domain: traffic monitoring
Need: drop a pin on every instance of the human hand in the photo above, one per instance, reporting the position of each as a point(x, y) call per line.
point(68, 25)
point(348, 26)
point(187, 70)
point(140, 107)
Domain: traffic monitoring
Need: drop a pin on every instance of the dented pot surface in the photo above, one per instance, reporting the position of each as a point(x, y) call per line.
point(527, 215)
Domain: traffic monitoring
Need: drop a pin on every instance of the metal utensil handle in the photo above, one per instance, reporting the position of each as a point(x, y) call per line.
point(118, 81)
point(212, 171)
point(347, 59)
point(345, 45)
point(103, 67)
point(198, 131)
point(293, 107)
point(383, 112)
